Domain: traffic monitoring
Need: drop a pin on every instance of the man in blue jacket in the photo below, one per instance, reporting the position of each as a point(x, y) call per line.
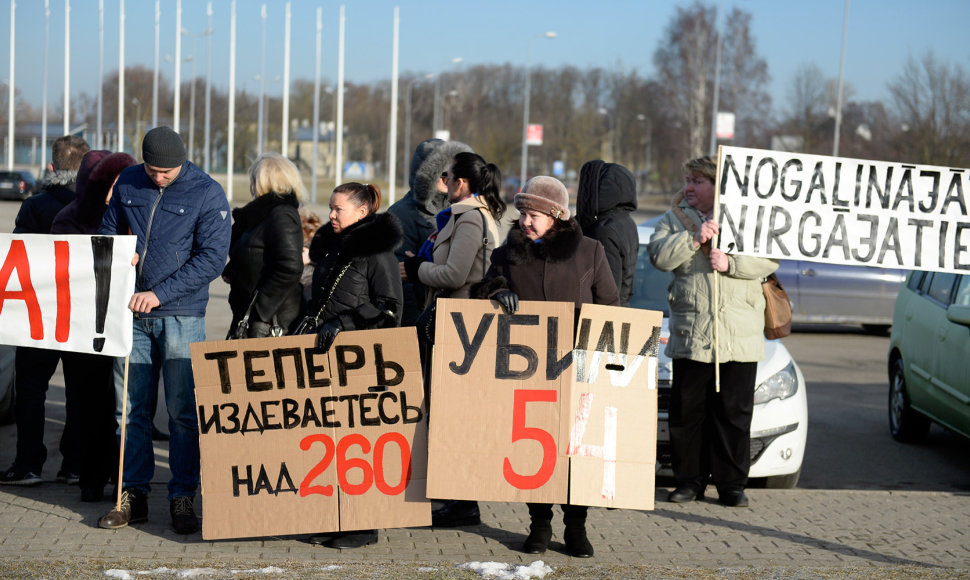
point(181, 218)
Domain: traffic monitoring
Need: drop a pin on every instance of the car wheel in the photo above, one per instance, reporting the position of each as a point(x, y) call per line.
point(783, 481)
point(905, 423)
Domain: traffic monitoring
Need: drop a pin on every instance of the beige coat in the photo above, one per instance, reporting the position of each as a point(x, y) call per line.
point(741, 305)
point(457, 254)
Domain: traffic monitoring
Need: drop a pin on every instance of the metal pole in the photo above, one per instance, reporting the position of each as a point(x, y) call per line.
point(407, 130)
point(316, 106)
point(838, 98)
point(192, 104)
point(178, 66)
point(525, 113)
point(286, 84)
point(43, 113)
point(262, 81)
point(232, 98)
point(67, 66)
point(392, 154)
point(100, 137)
point(121, 78)
point(339, 157)
point(158, 17)
point(10, 87)
point(208, 87)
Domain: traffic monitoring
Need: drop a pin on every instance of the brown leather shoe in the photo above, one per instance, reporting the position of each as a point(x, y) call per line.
point(134, 509)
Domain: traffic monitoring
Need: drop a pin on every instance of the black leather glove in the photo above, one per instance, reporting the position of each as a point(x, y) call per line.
point(327, 333)
point(508, 300)
point(258, 329)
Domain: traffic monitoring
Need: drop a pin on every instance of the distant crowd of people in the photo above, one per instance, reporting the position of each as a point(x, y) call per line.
point(290, 272)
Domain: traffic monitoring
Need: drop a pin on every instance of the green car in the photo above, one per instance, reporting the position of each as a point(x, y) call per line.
point(929, 356)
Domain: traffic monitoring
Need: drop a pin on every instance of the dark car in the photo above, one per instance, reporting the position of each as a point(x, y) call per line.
point(840, 294)
point(18, 184)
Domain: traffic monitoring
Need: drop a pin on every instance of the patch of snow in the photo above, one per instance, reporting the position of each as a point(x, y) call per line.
point(266, 570)
point(501, 571)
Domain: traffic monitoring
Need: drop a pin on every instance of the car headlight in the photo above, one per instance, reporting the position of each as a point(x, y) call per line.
point(780, 385)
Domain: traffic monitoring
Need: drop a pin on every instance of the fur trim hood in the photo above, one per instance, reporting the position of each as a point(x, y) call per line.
point(372, 235)
point(62, 177)
point(425, 178)
point(556, 246)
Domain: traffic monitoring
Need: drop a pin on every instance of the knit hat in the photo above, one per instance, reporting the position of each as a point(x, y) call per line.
point(544, 194)
point(163, 148)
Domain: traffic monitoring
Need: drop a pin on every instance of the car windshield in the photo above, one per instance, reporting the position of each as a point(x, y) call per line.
point(650, 285)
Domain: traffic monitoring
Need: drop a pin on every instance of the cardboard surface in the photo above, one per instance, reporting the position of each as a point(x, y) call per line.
point(296, 441)
point(507, 391)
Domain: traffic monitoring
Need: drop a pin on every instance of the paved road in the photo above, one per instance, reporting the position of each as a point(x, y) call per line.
point(866, 505)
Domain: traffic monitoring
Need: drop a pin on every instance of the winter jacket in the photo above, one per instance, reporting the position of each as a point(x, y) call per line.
point(183, 235)
point(457, 260)
point(417, 209)
point(266, 254)
point(564, 266)
point(357, 279)
point(37, 212)
point(741, 302)
point(606, 196)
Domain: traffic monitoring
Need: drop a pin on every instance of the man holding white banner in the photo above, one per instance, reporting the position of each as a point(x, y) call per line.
point(181, 218)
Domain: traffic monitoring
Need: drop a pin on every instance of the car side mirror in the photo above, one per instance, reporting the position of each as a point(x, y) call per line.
point(958, 314)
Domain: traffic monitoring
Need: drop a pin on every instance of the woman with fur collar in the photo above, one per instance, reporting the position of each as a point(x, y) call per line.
point(547, 258)
point(356, 286)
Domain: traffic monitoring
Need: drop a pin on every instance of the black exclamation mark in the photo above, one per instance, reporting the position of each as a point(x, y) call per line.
point(101, 248)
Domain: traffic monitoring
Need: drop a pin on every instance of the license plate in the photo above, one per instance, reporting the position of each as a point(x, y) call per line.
point(6, 184)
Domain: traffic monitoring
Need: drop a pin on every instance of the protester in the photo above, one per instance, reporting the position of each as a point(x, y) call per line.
point(606, 196)
point(709, 429)
point(36, 366)
point(356, 286)
point(91, 374)
point(417, 209)
point(311, 222)
point(453, 259)
point(547, 258)
point(180, 216)
point(266, 251)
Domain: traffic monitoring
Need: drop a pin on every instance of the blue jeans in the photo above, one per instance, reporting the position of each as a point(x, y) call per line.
point(160, 346)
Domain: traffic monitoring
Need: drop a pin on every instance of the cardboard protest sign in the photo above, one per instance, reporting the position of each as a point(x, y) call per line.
point(613, 405)
point(522, 415)
point(67, 292)
point(294, 440)
point(843, 211)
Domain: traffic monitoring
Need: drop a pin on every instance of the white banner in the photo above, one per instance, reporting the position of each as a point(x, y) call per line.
point(843, 211)
point(67, 292)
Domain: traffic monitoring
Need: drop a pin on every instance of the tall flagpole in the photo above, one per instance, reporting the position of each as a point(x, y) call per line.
point(10, 98)
point(158, 17)
point(43, 113)
point(178, 65)
point(339, 157)
point(100, 134)
point(208, 88)
point(286, 84)
point(232, 98)
point(316, 107)
point(121, 80)
point(67, 66)
point(838, 99)
point(392, 145)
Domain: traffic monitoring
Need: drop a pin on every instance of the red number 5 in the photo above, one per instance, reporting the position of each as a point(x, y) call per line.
point(545, 439)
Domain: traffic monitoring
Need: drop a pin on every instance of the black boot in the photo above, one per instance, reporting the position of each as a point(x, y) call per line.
point(577, 544)
point(540, 533)
point(456, 514)
point(355, 539)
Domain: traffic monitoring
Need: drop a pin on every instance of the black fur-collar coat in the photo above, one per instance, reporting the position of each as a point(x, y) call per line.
point(356, 278)
point(564, 266)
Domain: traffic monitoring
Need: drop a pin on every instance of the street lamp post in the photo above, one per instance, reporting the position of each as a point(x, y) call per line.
point(525, 114)
point(436, 121)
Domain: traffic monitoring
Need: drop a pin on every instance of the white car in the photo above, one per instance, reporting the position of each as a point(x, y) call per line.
point(779, 424)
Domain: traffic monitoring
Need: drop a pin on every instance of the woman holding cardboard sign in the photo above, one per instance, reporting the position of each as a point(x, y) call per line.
point(710, 429)
point(356, 286)
point(547, 258)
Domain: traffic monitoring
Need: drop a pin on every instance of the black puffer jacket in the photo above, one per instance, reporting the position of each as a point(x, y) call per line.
point(368, 293)
point(607, 194)
point(266, 253)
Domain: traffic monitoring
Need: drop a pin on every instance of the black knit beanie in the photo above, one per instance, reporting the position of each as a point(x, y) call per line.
point(163, 148)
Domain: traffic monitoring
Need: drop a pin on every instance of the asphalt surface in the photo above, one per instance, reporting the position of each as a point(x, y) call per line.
point(45, 531)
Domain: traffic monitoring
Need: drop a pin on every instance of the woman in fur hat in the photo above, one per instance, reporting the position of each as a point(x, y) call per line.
point(93, 372)
point(547, 258)
point(356, 286)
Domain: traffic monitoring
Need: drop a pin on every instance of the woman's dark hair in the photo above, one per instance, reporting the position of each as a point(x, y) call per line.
point(367, 195)
point(485, 179)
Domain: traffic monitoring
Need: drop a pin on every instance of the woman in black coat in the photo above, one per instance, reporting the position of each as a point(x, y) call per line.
point(356, 286)
point(266, 251)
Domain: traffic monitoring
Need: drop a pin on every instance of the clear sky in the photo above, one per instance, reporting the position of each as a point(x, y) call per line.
point(608, 33)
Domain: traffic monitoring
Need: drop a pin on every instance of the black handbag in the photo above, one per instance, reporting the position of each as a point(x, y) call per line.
point(309, 323)
point(241, 330)
point(426, 320)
